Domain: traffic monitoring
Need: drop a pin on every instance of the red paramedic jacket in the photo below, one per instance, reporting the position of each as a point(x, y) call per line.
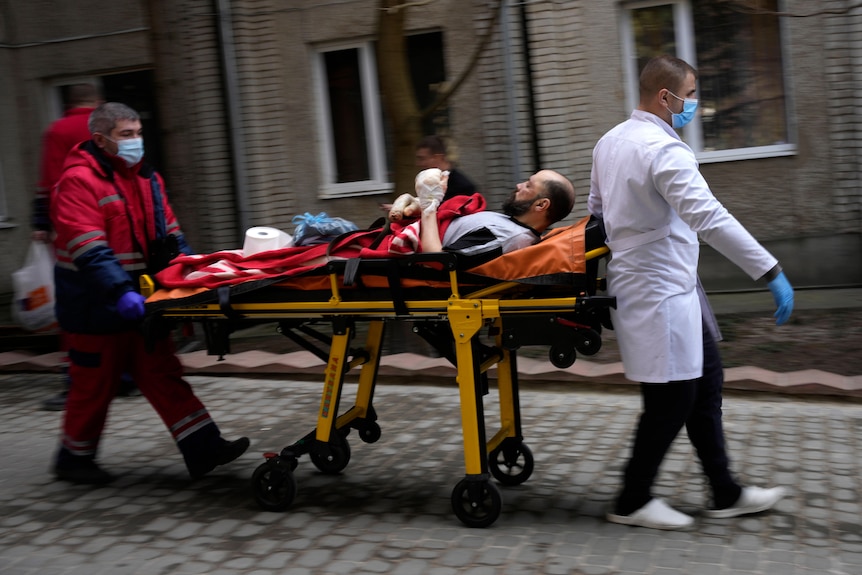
point(105, 215)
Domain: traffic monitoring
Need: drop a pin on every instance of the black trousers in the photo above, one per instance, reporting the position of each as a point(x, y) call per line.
point(667, 407)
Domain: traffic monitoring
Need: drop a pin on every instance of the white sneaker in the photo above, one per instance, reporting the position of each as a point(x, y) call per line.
point(656, 515)
point(751, 500)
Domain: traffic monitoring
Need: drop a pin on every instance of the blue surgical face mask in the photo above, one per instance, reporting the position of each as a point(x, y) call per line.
point(689, 106)
point(131, 150)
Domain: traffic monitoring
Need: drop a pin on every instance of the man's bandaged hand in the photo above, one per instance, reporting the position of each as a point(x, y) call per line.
point(430, 188)
point(405, 207)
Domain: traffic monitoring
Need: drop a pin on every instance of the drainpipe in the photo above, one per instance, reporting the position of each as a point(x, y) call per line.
point(509, 82)
point(531, 94)
point(234, 117)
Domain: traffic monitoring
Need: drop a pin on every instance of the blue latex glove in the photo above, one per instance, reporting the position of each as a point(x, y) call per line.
point(782, 293)
point(130, 306)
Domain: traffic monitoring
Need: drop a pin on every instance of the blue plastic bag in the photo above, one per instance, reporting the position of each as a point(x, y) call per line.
point(319, 229)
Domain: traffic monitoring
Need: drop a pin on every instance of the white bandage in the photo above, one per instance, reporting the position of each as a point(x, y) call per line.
point(431, 187)
point(406, 206)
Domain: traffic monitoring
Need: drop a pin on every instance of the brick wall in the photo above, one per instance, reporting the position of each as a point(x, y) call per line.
point(577, 81)
point(843, 70)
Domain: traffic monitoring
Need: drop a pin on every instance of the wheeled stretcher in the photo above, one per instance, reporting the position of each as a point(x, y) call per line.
point(476, 318)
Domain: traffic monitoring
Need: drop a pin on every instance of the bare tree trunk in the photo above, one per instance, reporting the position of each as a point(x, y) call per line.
point(396, 89)
point(397, 93)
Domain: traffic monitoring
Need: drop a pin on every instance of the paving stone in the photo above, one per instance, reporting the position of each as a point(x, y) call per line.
point(389, 510)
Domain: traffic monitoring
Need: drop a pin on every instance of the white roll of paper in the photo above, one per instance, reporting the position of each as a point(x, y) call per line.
point(263, 239)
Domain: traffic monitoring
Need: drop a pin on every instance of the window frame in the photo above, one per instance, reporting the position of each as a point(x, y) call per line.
point(375, 140)
point(684, 38)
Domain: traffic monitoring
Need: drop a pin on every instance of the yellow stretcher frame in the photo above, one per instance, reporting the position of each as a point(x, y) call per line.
point(476, 500)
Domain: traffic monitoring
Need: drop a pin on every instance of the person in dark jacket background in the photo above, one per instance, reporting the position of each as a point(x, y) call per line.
point(431, 153)
point(113, 224)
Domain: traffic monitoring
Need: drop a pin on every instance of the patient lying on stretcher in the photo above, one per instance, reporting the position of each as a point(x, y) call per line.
point(533, 206)
point(459, 225)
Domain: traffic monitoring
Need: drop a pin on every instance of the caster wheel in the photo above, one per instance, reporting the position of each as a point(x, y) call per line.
point(333, 458)
point(370, 432)
point(511, 465)
point(561, 357)
point(476, 503)
point(590, 344)
point(274, 485)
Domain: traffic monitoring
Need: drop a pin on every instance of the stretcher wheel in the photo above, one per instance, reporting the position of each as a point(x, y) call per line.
point(590, 343)
point(511, 464)
point(370, 432)
point(562, 357)
point(477, 503)
point(333, 458)
point(274, 485)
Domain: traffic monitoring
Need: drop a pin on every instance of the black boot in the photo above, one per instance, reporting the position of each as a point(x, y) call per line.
point(205, 449)
point(79, 469)
point(226, 452)
point(56, 402)
point(128, 387)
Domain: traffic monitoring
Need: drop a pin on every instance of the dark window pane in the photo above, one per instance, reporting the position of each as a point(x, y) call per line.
point(654, 32)
point(740, 81)
point(137, 90)
point(428, 74)
point(348, 117)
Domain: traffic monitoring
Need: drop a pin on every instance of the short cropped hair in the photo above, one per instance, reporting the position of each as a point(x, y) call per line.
point(664, 72)
point(83, 94)
point(432, 143)
point(104, 118)
point(561, 195)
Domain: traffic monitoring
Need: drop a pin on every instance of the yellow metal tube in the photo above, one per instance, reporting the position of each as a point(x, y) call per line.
point(332, 382)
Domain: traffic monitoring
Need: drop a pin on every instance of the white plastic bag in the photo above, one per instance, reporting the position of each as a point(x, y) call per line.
point(33, 290)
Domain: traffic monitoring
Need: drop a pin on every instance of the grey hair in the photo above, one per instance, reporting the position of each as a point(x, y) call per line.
point(104, 118)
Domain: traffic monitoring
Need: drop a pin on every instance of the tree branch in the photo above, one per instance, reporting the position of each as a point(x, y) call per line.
point(444, 95)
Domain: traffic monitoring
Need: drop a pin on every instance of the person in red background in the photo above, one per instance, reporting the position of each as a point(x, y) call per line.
point(58, 139)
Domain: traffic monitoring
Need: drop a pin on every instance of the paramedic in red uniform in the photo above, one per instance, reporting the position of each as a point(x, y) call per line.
point(113, 224)
point(60, 137)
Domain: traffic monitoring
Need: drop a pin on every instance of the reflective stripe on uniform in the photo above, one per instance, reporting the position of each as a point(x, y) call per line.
point(191, 430)
point(190, 424)
point(85, 248)
point(67, 265)
point(78, 240)
point(109, 199)
point(80, 448)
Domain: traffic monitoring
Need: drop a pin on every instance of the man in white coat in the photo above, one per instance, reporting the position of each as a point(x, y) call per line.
point(648, 190)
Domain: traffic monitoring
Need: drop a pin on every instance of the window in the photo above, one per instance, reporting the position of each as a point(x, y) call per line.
point(350, 122)
point(354, 149)
point(428, 74)
point(743, 111)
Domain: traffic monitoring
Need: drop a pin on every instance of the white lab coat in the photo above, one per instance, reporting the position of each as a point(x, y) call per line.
point(647, 187)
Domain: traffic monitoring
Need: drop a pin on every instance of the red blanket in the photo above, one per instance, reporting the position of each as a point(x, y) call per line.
point(228, 267)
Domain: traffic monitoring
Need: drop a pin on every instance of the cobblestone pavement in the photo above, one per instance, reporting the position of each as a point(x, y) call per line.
point(389, 511)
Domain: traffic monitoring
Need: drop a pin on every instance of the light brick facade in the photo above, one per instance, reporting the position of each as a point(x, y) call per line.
point(242, 139)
